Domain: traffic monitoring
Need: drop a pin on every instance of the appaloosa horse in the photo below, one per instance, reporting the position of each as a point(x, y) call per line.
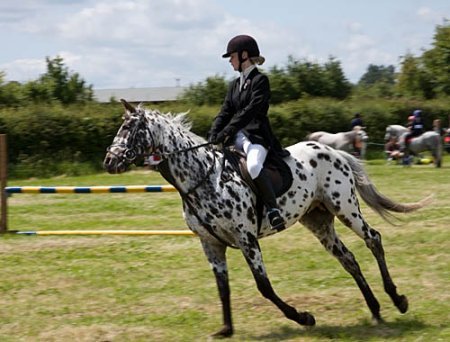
point(220, 207)
point(428, 141)
point(351, 141)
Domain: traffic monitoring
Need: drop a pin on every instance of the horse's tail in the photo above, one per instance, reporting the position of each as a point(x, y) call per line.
point(373, 198)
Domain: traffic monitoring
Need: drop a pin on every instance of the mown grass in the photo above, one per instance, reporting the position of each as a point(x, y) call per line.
point(124, 288)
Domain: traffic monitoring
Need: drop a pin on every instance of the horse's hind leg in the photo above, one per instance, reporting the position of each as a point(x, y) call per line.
point(252, 253)
point(373, 242)
point(321, 223)
point(372, 239)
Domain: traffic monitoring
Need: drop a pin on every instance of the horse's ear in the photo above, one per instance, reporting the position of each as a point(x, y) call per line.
point(128, 106)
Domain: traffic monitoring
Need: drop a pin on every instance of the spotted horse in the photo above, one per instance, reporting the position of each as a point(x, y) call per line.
point(221, 209)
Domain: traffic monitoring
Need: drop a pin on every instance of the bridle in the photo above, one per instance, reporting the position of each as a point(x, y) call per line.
point(130, 154)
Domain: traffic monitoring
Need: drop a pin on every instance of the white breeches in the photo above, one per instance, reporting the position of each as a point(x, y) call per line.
point(256, 154)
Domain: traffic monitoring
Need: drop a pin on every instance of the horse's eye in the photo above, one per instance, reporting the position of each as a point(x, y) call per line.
point(130, 154)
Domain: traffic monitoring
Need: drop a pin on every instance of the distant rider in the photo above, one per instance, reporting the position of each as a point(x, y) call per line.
point(415, 129)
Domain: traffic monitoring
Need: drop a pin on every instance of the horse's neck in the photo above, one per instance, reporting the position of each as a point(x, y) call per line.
point(350, 136)
point(189, 168)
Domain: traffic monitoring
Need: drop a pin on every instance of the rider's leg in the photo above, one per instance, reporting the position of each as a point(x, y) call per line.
point(256, 155)
point(406, 149)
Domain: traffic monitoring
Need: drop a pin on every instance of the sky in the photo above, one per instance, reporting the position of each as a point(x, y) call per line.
point(159, 43)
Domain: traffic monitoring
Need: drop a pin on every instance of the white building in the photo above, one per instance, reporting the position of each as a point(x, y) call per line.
point(138, 95)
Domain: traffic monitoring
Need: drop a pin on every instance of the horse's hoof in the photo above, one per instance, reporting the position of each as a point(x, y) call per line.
point(225, 332)
point(377, 320)
point(305, 318)
point(402, 304)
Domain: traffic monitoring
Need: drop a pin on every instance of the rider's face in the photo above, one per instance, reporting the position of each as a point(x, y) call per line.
point(234, 61)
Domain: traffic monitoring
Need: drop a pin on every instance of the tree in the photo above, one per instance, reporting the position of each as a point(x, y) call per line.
point(58, 83)
point(413, 80)
point(313, 79)
point(377, 81)
point(378, 74)
point(336, 83)
point(437, 60)
point(281, 86)
point(210, 92)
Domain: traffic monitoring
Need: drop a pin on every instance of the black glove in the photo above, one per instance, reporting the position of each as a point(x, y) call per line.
point(211, 137)
point(222, 137)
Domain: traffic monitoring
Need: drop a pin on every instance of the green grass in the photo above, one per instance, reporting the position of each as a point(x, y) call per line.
point(155, 288)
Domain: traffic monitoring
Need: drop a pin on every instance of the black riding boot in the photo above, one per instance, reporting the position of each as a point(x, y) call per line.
point(406, 157)
point(265, 188)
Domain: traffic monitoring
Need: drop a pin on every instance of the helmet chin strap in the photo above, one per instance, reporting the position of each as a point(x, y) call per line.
point(241, 60)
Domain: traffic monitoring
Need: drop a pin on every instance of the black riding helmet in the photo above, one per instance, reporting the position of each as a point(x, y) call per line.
point(243, 43)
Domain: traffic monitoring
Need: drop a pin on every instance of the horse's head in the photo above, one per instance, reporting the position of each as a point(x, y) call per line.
point(131, 142)
point(361, 135)
point(389, 134)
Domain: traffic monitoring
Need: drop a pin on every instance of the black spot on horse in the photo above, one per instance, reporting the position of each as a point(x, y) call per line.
point(335, 194)
point(251, 215)
point(324, 156)
point(313, 163)
point(345, 220)
point(302, 177)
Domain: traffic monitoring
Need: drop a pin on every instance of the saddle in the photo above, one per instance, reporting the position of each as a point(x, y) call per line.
point(279, 172)
point(409, 139)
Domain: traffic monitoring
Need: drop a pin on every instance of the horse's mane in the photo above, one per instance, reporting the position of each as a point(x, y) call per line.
point(173, 119)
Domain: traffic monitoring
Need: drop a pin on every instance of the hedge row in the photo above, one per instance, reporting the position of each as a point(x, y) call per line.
point(40, 135)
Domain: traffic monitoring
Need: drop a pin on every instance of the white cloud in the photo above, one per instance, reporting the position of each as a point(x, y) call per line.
point(122, 43)
point(429, 15)
point(23, 69)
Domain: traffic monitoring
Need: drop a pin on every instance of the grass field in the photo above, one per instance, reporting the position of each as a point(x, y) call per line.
point(159, 288)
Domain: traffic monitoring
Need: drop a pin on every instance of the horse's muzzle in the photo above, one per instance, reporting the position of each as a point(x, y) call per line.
point(112, 164)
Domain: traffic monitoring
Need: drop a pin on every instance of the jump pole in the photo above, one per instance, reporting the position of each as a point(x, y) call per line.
point(108, 232)
point(95, 190)
point(3, 183)
point(88, 189)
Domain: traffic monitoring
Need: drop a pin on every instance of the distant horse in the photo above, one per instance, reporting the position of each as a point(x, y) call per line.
point(428, 141)
point(351, 141)
point(220, 207)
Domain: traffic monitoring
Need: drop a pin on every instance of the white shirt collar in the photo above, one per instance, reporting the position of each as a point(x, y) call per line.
point(244, 74)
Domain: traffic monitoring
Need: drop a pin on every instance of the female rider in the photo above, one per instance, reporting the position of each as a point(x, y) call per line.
point(244, 123)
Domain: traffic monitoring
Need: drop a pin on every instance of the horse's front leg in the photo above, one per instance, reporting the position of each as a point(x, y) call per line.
point(217, 259)
point(252, 253)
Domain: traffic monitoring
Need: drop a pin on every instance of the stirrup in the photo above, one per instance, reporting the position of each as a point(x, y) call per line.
point(275, 220)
